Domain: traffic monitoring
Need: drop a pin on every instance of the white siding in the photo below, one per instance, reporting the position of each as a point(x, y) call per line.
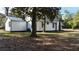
point(51, 27)
point(18, 26)
point(7, 27)
point(39, 26)
point(48, 27)
point(15, 24)
point(30, 25)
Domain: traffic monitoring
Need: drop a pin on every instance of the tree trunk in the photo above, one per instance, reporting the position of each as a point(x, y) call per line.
point(59, 25)
point(44, 24)
point(33, 34)
point(6, 10)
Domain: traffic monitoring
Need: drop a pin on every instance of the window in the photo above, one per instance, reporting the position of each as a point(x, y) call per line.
point(47, 22)
point(9, 24)
point(52, 25)
point(42, 24)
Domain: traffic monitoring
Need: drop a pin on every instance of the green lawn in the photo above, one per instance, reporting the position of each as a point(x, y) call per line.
point(23, 34)
point(13, 34)
point(65, 34)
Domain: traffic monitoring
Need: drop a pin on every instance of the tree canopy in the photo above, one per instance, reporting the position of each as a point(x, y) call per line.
point(68, 19)
point(50, 12)
point(71, 20)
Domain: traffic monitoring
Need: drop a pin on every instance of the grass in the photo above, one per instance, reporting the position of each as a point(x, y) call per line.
point(46, 41)
point(23, 34)
point(13, 34)
point(4, 33)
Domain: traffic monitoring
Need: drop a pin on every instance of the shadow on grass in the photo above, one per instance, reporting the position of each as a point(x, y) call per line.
point(20, 41)
point(39, 44)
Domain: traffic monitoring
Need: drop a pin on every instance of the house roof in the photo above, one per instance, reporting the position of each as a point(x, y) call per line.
point(14, 18)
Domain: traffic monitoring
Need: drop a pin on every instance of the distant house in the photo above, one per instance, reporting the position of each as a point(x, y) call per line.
point(18, 24)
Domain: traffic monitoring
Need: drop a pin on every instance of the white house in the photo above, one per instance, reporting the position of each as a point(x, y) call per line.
point(15, 24)
point(18, 24)
point(54, 25)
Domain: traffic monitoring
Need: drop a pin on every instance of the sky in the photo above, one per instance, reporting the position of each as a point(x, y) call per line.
point(2, 10)
point(70, 9)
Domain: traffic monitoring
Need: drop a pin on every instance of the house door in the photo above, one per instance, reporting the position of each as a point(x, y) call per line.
point(55, 26)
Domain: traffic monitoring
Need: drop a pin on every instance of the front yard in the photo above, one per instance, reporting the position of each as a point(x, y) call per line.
point(48, 41)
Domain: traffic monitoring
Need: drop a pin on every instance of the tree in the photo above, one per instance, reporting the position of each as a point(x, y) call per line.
point(76, 20)
point(68, 17)
point(71, 20)
point(36, 12)
point(72, 23)
point(60, 20)
point(6, 11)
point(34, 22)
point(2, 20)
